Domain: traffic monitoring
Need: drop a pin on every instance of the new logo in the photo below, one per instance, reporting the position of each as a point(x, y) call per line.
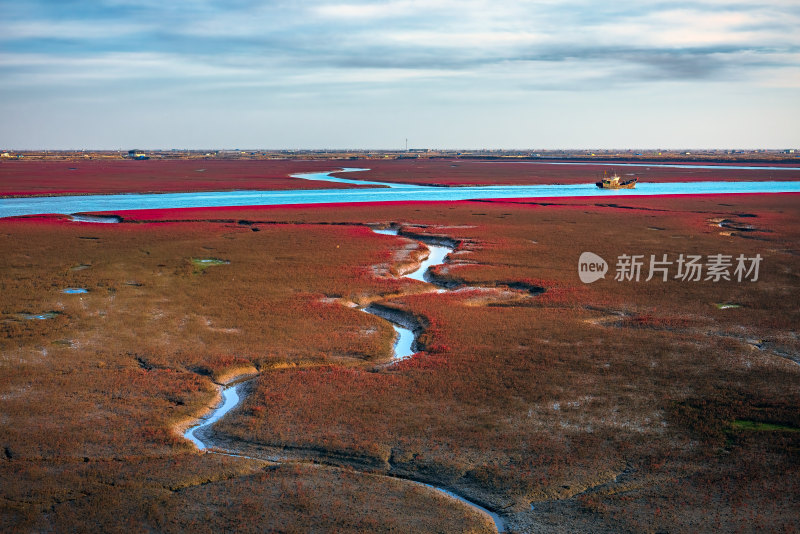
point(591, 267)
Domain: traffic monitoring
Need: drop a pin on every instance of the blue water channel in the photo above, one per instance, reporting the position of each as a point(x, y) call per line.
point(386, 193)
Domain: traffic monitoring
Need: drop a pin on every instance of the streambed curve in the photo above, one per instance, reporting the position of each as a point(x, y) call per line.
point(407, 328)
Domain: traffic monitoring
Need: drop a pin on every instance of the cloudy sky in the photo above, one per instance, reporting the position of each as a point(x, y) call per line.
point(369, 74)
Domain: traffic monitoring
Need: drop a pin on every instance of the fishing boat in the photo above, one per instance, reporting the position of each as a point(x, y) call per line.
point(615, 182)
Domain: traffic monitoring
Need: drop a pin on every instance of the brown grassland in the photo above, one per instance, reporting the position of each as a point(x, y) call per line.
point(615, 406)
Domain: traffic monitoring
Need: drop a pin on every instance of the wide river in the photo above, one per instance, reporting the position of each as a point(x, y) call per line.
point(383, 193)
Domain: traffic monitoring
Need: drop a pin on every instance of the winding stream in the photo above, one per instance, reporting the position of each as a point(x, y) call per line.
point(404, 345)
point(381, 192)
point(232, 394)
point(230, 398)
point(403, 348)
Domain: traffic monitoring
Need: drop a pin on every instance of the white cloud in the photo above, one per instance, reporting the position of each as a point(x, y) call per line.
point(28, 69)
point(80, 30)
point(462, 39)
point(691, 28)
point(469, 54)
point(386, 10)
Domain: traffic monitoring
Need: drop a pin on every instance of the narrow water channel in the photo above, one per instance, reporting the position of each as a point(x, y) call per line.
point(230, 398)
point(404, 344)
point(403, 348)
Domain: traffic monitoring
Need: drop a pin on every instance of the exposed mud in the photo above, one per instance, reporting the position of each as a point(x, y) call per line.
point(207, 439)
point(413, 257)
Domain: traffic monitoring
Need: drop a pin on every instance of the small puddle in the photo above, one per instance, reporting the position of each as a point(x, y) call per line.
point(77, 217)
point(204, 263)
point(39, 316)
point(75, 290)
point(210, 261)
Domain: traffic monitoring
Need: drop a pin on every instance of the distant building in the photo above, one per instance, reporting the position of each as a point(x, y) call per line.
point(5, 155)
point(137, 154)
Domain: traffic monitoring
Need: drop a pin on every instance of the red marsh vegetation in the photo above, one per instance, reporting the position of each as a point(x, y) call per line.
point(90, 396)
point(44, 178)
point(41, 178)
point(615, 406)
point(455, 172)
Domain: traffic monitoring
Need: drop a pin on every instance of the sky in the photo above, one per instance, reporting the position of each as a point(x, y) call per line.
point(449, 74)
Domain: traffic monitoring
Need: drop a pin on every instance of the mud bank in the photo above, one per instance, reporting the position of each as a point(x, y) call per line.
point(231, 394)
point(408, 327)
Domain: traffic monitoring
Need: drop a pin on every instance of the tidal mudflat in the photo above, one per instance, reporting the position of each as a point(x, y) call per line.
point(604, 407)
